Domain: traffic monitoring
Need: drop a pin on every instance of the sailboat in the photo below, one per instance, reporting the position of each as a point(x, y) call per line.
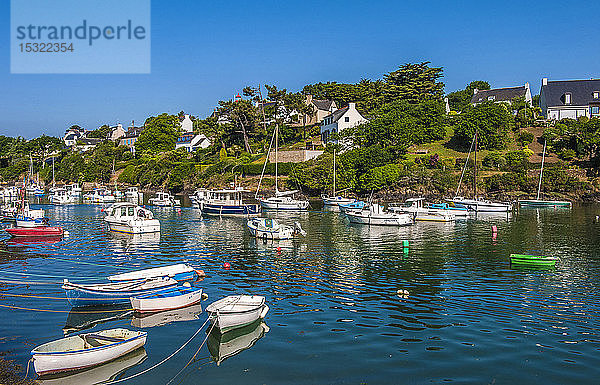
point(537, 202)
point(33, 188)
point(283, 199)
point(335, 200)
point(477, 204)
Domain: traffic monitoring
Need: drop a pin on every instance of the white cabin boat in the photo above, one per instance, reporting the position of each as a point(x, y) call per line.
point(85, 350)
point(416, 206)
point(99, 195)
point(126, 217)
point(375, 215)
point(132, 193)
point(283, 201)
point(236, 311)
point(27, 217)
point(60, 196)
point(268, 228)
point(227, 203)
point(164, 199)
point(74, 189)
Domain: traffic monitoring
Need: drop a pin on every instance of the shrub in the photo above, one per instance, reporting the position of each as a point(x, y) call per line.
point(526, 138)
point(380, 177)
point(494, 160)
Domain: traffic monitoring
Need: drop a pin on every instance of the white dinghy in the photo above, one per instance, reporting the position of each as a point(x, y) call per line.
point(85, 350)
point(179, 272)
point(168, 299)
point(236, 311)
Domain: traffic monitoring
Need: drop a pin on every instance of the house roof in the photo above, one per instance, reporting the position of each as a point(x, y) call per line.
point(582, 92)
point(322, 104)
point(499, 94)
point(133, 132)
point(337, 114)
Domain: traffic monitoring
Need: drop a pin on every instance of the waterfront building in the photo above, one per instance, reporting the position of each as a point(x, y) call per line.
point(339, 120)
point(571, 99)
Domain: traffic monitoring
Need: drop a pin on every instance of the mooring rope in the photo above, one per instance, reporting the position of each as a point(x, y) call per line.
point(61, 298)
point(195, 354)
point(161, 362)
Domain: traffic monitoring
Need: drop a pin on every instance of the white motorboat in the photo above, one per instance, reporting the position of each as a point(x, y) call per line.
point(74, 189)
point(481, 205)
point(168, 299)
point(60, 196)
point(416, 206)
point(85, 350)
point(132, 193)
point(179, 272)
point(226, 203)
point(236, 311)
point(164, 199)
point(268, 228)
point(27, 217)
point(126, 217)
point(375, 215)
point(99, 195)
point(198, 197)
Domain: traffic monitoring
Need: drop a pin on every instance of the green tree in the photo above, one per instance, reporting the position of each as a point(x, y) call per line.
point(461, 100)
point(160, 134)
point(414, 82)
point(101, 133)
point(491, 122)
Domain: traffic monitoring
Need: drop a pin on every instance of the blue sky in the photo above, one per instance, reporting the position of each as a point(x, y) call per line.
point(203, 52)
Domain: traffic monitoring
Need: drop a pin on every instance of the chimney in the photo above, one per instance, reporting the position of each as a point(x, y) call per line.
point(475, 91)
point(352, 106)
point(309, 98)
point(544, 81)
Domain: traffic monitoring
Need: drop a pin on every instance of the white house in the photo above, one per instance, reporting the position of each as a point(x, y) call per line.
point(187, 125)
point(570, 98)
point(339, 120)
point(191, 142)
point(116, 132)
point(72, 135)
point(499, 95)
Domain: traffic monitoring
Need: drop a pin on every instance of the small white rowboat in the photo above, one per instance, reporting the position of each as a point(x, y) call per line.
point(167, 299)
point(179, 272)
point(85, 350)
point(236, 311)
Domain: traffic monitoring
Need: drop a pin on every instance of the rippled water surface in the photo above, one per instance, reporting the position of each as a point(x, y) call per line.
point(335, 316)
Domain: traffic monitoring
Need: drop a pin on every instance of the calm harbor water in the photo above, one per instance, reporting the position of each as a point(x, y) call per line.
point(335, 316)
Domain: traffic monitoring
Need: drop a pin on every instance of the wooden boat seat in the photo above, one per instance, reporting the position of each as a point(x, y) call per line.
point(94, 339)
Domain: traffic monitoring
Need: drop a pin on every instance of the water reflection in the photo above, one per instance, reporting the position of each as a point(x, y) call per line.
point(127, 243)
point(86, 318)
point(189, 313)
point(233, 342)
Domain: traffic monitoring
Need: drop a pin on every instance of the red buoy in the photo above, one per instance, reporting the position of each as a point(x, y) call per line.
point(226, 265)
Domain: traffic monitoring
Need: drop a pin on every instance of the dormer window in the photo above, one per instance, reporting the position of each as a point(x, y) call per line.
point(596, 94)
point(567, 98)
point(491, 98)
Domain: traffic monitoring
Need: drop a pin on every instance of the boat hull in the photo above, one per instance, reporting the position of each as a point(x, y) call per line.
point(229, 210)
point(179, 272)
point(168, 299)
point(535, 203)
point(64, 361)
point(36, 232)
point(226, 320)
point(91, 295)
point(379, 220)
point(483, 206)
point(134, 227)
point(532, 260)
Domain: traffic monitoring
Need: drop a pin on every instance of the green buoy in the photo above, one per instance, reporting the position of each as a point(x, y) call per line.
point(532, 260)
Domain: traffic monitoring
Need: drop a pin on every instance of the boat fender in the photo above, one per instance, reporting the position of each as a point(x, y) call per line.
point(264, 311)
point(187, 284)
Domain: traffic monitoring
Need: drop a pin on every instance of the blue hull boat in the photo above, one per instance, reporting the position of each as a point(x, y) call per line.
point(218, 209)
point(358, 205)
point(113, 293)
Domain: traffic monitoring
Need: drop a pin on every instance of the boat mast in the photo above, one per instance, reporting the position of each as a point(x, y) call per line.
point(541, 172)
point(53, 179)
point(464, 168)
point(475, 169)
point(276, 145)
point(333, 172)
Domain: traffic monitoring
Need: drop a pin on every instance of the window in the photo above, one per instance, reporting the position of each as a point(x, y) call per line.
point(595, 110)
point(596, 94)
point(491, 98)
point(347, 119)
point(567, 98)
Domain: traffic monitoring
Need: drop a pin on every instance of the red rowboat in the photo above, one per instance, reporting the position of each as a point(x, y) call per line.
point(43, 231)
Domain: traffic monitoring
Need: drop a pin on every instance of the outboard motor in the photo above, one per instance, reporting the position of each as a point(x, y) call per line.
point(298, 229)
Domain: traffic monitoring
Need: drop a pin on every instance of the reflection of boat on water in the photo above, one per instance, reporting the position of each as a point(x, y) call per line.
point(127, 242)
point(98, 374)
point(225, 345)
point(81, 319)
point(189, 313)
point(33, 240)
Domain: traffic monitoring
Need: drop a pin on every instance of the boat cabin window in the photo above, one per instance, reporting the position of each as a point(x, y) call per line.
point(123, 211)
point(131, 211)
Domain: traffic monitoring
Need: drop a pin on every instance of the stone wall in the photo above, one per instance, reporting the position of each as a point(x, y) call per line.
point(294, 156)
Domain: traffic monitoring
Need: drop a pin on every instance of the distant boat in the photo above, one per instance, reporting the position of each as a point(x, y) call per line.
point(375, 215)
point(112, 293)
point(457, 209)
point(535, 260)
point(227, 203)
point(167, 299)
point(236, 311)
point(60, 196)
point(476, 203)
point(164, 199)
point(85, 350)
point(268, 228)
point(416, 206)
point(534, 203)
point(282, 200)
point(99, 195)
point(74, 189)
point(335, 200)
point(132, 193)
point(129, 218)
